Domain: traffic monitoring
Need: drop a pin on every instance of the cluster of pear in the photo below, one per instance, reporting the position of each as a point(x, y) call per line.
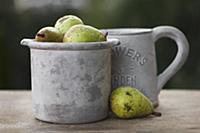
point(70, 28)
point(128, 102)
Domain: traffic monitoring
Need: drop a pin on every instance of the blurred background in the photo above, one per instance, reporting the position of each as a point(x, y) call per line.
point(23, 18)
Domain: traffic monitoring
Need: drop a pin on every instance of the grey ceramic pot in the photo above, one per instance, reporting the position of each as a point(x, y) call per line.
point(71, 82)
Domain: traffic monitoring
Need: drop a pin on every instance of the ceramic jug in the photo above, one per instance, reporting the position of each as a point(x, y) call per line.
point(134, 60)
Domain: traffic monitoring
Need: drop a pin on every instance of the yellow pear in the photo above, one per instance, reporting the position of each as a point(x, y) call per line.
point(83, 33)
point(64, 23)
point(49, 34)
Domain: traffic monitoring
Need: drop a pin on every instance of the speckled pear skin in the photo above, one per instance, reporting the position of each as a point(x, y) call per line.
point(128, 102)
point(48, 34)
point(64, 23)
point(84, 33)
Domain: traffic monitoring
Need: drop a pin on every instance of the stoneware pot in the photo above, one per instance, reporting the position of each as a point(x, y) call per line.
point(71, 82)
point(134, 60)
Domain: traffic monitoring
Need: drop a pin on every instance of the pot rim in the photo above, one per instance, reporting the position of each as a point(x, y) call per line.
point(32, 44)
point(126, 31)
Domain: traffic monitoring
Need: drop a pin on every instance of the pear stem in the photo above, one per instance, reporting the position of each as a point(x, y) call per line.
point(106, 34)
point(156, 114)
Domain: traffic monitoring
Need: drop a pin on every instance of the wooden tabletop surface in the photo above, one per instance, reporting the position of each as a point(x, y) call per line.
point(180, 114)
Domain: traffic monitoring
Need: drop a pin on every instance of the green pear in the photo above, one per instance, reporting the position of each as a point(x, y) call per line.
point(128, 102)
point(83, 33)
point(64, 23)
point(49, 34)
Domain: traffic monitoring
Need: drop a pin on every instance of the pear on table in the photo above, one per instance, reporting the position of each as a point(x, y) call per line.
point(83, 33)
point(128, 102)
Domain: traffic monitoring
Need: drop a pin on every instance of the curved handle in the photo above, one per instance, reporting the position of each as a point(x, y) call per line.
point(181, 56)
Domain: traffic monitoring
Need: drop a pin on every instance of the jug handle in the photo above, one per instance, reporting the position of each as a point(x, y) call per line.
point(181, 56)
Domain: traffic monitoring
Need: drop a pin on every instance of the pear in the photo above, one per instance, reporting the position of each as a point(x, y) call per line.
point(83, 33)
point(64, 23)
point(128, 102)
point(49, 34)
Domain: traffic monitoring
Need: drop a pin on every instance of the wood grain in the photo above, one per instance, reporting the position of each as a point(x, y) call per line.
point(180, 113)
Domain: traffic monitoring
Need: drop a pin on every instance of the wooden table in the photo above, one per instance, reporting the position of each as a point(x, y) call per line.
point(180, 114)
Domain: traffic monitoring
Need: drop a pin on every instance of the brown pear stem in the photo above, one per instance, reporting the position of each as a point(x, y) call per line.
point(106, 34)
point(156, 114)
